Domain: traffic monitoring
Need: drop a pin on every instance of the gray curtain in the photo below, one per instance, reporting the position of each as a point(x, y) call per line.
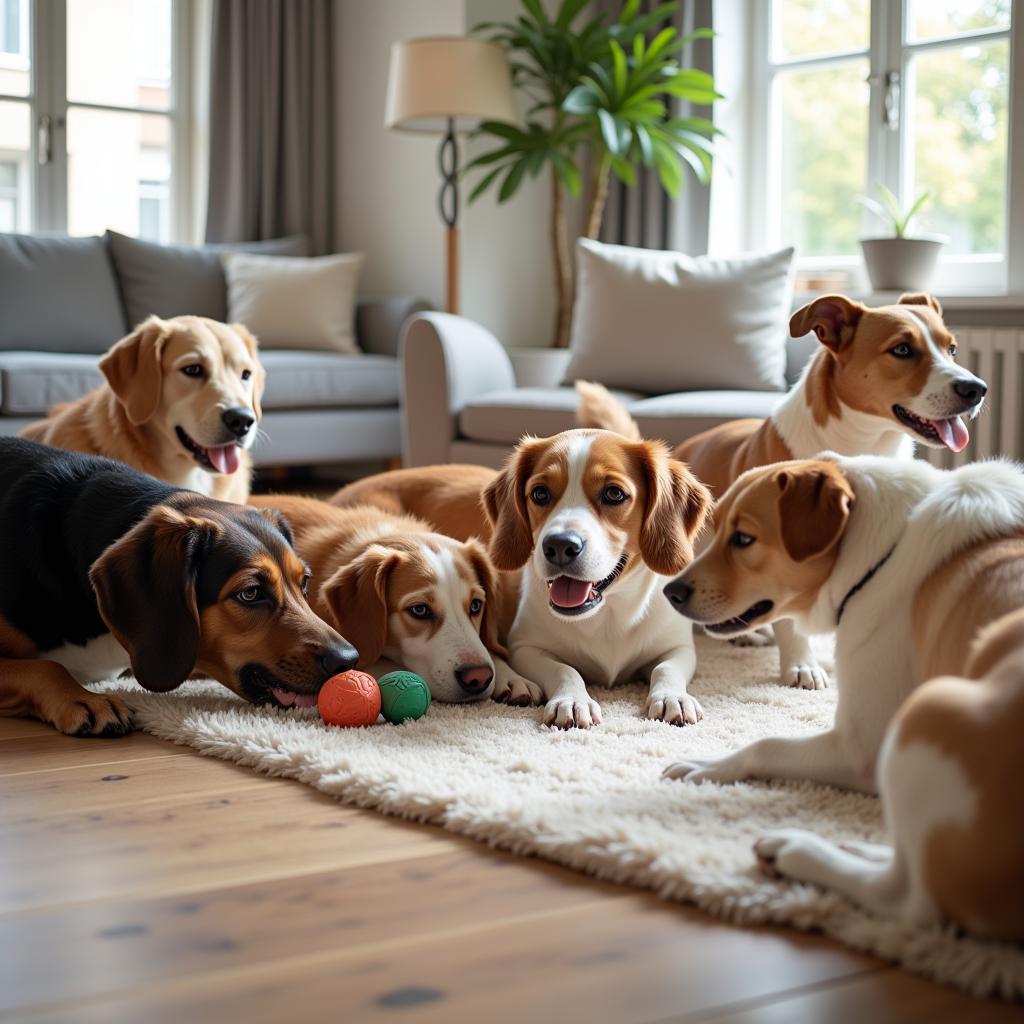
point(642, 214)
point(271, 122)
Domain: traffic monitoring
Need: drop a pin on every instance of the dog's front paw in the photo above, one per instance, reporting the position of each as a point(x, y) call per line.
point(93, 715)
point(786, 852)
point(682, 710)
point(702, 771)
point(510, 688)
point(572, 713)
point(805, 676)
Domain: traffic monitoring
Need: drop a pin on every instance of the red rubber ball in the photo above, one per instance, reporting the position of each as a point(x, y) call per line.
point(350, 698)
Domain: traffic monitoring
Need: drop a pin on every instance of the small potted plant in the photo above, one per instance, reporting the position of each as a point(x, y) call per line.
point(898, 263)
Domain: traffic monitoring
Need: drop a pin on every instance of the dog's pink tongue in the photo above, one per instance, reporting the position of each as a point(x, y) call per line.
point(224, 457)
point(565, 592)
point(953, 433)
point(291, 699)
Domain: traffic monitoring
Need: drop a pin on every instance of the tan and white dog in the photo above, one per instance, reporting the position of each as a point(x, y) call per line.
point(600, 521)
point(418, 599)
point(922, 574)
point(181, 402)
point(882, 379)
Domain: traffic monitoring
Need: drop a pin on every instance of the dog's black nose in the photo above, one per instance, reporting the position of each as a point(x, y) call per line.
point(679, 593)
point(474, 678)
point(339, 658)
point(238, 420)
point(971, 389)
point(562, 549)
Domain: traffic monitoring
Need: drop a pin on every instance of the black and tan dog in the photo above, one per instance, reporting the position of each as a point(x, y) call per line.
point(103, 567)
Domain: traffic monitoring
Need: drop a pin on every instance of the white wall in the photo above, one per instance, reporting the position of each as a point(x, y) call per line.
point(386, 201)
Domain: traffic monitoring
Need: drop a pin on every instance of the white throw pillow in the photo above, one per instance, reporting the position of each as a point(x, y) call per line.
point(660, 322)
point(295, 302)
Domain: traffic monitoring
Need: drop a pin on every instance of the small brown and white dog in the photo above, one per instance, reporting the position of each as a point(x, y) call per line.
point(424, 601)
point(181, 402)
point(601, 521)
point(921, 573)
point(882, 379)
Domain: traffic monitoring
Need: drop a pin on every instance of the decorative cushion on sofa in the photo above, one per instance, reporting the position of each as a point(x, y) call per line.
point(674, 418)
point(173, 280)
point(504, 416)
point(325, 380)
point(295, 303)
point(660, 322)
point(32, 382)
point(57, 294)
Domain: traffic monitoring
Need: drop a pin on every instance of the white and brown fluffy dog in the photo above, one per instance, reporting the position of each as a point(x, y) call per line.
point(600, 522)
point(882, 379)
point(922, 574)
point(418, 599)
point(181, 402)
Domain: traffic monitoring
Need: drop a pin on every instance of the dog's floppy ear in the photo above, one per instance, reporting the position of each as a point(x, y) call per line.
point(357, 595)
point(259, 374)
point(276, 519)
point(920, 299)
point(145, 586)
point(833, 318)
point(505, 504)
point(677, 504)
point(133, 370)
point(488, 577)
point(814, 506)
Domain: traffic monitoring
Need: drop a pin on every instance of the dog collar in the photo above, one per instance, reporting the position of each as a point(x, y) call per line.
point(862, 582)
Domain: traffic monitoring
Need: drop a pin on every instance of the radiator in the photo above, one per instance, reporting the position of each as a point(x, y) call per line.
point(996, 355)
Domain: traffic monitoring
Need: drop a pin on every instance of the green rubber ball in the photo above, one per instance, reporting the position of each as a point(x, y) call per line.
point(403, 695)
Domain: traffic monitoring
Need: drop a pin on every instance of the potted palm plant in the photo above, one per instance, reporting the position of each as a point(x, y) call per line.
point(898, 262)
point(602, 93)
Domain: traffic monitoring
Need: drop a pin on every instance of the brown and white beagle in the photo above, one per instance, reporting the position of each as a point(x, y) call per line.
point(921, 573)
point(422, 600)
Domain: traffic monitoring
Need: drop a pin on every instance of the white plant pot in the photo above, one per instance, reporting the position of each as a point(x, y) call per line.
point(900, 264)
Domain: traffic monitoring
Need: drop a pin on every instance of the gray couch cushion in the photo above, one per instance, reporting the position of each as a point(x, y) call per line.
point(316, 380)
point(32, 382)
point(57, 294)
point(172, 280)
point(676, 417)
point(504, 416)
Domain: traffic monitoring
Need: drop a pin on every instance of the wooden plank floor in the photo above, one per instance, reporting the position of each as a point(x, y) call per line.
point(142, 882)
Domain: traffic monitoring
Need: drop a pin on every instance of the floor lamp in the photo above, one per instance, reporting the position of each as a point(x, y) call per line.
point(446, 85)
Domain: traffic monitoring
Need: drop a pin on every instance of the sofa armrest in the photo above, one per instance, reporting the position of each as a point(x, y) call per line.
point(446, 361)
point(379, 321)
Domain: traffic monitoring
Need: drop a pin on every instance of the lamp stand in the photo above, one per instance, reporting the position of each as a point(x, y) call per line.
point(448, 204)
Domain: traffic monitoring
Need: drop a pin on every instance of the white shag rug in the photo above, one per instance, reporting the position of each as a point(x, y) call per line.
point(595, 801)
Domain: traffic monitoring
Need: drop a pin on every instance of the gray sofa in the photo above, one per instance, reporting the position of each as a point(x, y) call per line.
point(469, 399)
point(66, 300)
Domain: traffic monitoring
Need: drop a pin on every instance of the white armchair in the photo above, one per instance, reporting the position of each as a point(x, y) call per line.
point(466, 398)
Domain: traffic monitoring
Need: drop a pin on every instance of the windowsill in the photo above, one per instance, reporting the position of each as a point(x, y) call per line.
point(973, 300)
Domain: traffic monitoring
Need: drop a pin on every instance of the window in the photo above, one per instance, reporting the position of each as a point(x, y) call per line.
point(912, 94)
point(10, 194)
point(106, 132)
point(13, 32)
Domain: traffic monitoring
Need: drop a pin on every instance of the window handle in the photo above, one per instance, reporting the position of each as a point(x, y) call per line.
point(44, 140)
point(890, 81)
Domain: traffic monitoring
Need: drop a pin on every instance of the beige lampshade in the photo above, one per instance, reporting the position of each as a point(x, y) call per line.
point(440, 77)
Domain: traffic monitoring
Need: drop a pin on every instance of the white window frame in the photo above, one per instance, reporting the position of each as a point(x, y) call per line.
point(958, 274)
point(48, 103)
